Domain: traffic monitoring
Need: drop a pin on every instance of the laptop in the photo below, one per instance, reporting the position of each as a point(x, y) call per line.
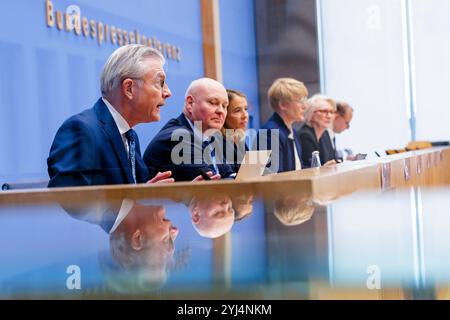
point(253, 164)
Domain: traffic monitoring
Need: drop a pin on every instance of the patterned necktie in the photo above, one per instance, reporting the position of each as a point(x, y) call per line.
point(210, 146)
point(131, 136)
point(337, 153)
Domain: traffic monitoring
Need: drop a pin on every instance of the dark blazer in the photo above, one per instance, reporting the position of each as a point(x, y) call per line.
point(237, 156)
point(88, 150)
point(285, 151)
point(103, 213)
point(157, 156)
point(309, 142)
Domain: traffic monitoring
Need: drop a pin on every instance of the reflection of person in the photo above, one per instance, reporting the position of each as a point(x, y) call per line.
point(206, 104)
point(100, 212)
point(142, 248)
point(314, 136)
point(242, 205)
point(293, 210)
point(326, 197)
point(235, 123)
point(212, 217)
point(344, 115)
point(287, 98)
point(141, 241)
point(98, 146)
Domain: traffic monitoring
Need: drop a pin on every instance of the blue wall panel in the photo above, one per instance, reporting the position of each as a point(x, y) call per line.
point(46, 74)
point(10, 56)
point(237, 26)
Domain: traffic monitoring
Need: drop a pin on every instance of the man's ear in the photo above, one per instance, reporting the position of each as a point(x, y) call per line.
point(189, 104)
point(195, 215)
point(127, 88)
point(137, 241)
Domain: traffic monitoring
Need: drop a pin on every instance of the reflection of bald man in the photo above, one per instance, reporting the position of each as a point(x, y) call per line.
point(141, 241)
point(180, 145)
point(212, 217)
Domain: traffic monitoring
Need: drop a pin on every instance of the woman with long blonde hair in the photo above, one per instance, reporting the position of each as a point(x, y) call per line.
point(235, 127)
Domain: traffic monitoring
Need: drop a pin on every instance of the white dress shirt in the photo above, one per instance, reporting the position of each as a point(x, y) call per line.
point(125, 208)
point(121, 123)
point(298, 163)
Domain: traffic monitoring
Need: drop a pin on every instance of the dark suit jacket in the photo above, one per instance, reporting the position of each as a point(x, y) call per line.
point(88, 150)
point(102, 213)
point(309, 142)
point(157, 156)
point(285, 151)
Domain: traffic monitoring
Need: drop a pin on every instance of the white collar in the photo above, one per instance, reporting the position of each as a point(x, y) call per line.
point(121, 123)
point(331, 133)
point(125, 208)
point(291, 135)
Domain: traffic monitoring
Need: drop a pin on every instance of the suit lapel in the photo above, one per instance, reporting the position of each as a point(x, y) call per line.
point(141, 168)
point(184, 122)
point(111, 130)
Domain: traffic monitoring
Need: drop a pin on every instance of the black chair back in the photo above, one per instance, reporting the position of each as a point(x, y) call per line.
point(24, 185)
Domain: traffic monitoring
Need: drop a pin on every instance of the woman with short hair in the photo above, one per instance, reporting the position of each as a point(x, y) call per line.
point(319, 116)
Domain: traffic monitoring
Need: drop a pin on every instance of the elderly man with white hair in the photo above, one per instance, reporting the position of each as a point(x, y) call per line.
point(98, 146)
point(319, 116)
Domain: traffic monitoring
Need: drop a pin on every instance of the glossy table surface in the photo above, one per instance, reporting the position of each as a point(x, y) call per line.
point(223, 244)
point(376, 229)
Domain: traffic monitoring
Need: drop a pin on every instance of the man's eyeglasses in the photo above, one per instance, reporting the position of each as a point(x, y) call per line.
point(326, 112)
point(143, 81)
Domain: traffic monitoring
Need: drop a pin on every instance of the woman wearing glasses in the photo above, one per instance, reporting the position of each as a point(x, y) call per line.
point(314, 136)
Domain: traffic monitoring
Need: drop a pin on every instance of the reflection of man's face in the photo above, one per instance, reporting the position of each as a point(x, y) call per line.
point(213, 217)
point(157, 229)
point(144, 244)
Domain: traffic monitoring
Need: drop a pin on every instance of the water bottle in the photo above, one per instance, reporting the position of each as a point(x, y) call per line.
point(315, 160)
